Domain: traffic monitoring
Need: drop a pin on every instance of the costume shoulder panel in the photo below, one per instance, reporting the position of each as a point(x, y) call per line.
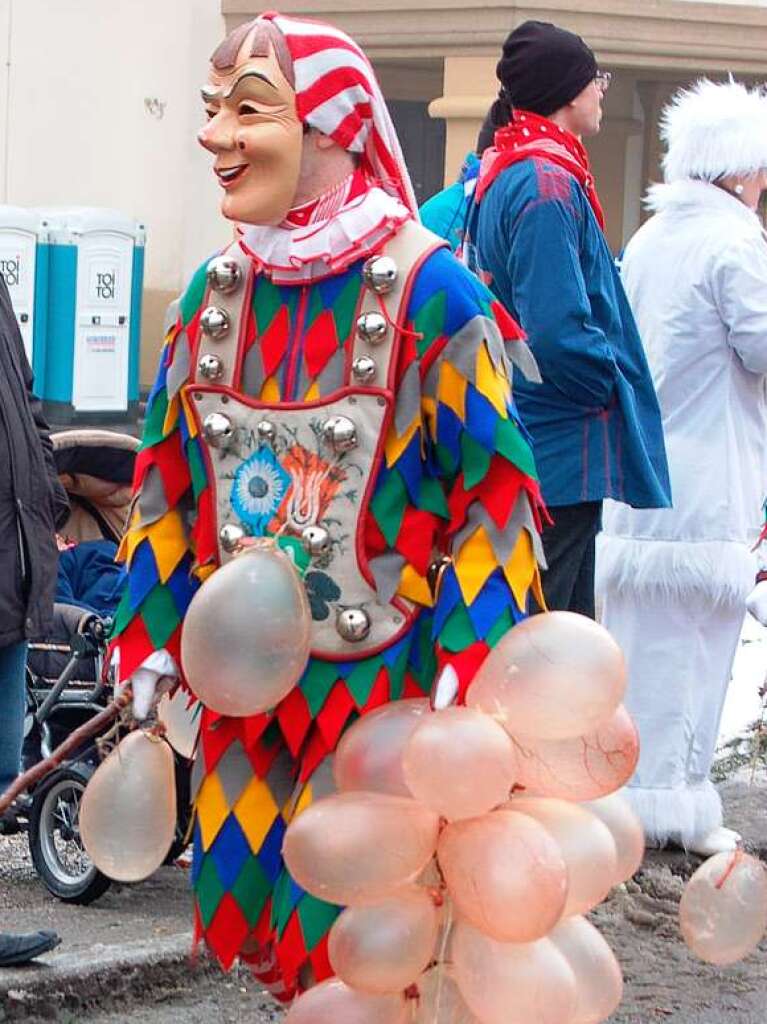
point(446, 296)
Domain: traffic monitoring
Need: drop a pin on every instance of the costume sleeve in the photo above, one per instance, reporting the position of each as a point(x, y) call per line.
point(552, 301)
point(483, 457)
point(165, 548)
point(740, 289)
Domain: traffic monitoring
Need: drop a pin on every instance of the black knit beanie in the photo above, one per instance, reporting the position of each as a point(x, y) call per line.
point(542, 68)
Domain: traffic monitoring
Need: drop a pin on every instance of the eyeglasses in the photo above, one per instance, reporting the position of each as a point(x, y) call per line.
point(603, 79)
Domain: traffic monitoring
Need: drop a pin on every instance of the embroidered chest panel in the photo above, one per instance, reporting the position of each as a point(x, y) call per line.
point(296, 482)
point(294, 401)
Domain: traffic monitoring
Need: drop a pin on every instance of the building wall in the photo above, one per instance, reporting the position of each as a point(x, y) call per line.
point(99, 107)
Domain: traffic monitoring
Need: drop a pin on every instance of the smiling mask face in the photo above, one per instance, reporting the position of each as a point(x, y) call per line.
point(255, 136)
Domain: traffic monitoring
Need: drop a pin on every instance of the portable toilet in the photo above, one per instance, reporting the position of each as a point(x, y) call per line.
point(96, 276)
point(24, 267)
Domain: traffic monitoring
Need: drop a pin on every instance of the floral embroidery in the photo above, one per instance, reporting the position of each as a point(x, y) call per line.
point(260, 484)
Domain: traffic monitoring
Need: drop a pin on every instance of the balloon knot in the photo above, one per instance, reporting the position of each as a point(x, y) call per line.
point(437, 896)
point(737, 857)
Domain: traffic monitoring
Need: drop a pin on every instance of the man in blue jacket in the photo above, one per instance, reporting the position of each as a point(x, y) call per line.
point(536, 236)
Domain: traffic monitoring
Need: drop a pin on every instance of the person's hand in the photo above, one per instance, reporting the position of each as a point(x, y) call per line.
point(155, 677)
point(756, 602)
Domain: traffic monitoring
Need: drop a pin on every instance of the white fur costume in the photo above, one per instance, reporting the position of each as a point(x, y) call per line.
point(673, 582)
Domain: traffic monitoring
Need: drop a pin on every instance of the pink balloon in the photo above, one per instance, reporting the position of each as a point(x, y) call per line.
point(369, 755)
point(333, 1002)
point(723, 910)
point(513, 983)
point(384, 947)
point(582, 767)
point(598, 977)
point(439, 999)
point(128, 810)
point(459, 763)
point(553, 676)
point(353, 848)
point(505, 874)
point(627, 832)
point(247, 632)
point(586, 845)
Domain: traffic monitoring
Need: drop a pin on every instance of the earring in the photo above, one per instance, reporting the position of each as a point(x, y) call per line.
point(738, 190)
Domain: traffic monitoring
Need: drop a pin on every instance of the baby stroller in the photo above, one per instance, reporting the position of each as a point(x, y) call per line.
point(65, 673)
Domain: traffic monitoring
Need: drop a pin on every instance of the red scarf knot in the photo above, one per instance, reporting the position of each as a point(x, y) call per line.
point(529, 136)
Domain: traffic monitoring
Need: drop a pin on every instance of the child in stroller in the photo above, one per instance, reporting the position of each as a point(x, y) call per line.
point(65, 672)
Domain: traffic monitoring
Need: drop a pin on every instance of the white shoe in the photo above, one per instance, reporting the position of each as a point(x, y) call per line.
point(719, 840)
point(731, 831)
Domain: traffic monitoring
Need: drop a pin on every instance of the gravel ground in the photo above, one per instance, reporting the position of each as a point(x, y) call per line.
point(663, 980)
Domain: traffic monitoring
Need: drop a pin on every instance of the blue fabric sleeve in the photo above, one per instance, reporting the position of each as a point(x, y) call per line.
point(553, 306)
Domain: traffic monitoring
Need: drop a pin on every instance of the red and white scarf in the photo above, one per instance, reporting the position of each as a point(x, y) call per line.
point(530, 136)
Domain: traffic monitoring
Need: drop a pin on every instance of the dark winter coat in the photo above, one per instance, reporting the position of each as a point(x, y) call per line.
point(32, 501)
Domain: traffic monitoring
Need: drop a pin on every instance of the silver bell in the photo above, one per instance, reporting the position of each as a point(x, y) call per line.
point(230, 536)
point(316, 541)
point(215, 322)
point(218, 430)
point(364, 369)
point(340, 433)
point(210, 367)
point(353, 624)
point(380, 274)
point(224, 274)
point(372, 328)
point(266, 431)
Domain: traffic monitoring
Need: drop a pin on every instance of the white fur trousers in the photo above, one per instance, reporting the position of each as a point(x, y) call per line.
point(679, 655)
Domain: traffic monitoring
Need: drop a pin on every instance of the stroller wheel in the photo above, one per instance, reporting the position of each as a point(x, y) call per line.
point(54, 838)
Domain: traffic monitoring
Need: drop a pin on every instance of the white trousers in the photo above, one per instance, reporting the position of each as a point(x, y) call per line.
point(679, 656)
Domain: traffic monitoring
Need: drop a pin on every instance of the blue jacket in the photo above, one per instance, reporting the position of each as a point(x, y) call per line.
point(595, 421)
point(446, 212)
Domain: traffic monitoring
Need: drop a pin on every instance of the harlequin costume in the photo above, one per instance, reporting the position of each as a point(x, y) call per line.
point(342, 381)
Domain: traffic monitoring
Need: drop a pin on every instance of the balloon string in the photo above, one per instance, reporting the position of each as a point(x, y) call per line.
point(441, 956)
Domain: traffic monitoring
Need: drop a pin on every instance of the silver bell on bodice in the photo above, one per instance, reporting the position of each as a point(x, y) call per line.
point(211, 367)
point(340, 433)
point(223, 274)
point(372, 328)
point(364, 370)
point(316, 541)
point(215, 322)
point(380, 274)
point(218, 430)
point(353, 624)
point(266, 432)
point(231, 536)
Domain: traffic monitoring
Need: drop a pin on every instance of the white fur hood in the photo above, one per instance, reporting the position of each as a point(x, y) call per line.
point(714, 129)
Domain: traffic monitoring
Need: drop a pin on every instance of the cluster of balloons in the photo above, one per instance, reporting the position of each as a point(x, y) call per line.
point(467, 843)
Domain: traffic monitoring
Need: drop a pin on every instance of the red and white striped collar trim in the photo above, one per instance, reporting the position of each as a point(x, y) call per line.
point(319, 249)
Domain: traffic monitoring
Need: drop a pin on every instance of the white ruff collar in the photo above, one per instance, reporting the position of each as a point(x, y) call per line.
point(300, 255)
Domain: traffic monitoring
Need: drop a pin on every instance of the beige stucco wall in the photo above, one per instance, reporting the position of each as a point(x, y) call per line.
point(102, 102)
